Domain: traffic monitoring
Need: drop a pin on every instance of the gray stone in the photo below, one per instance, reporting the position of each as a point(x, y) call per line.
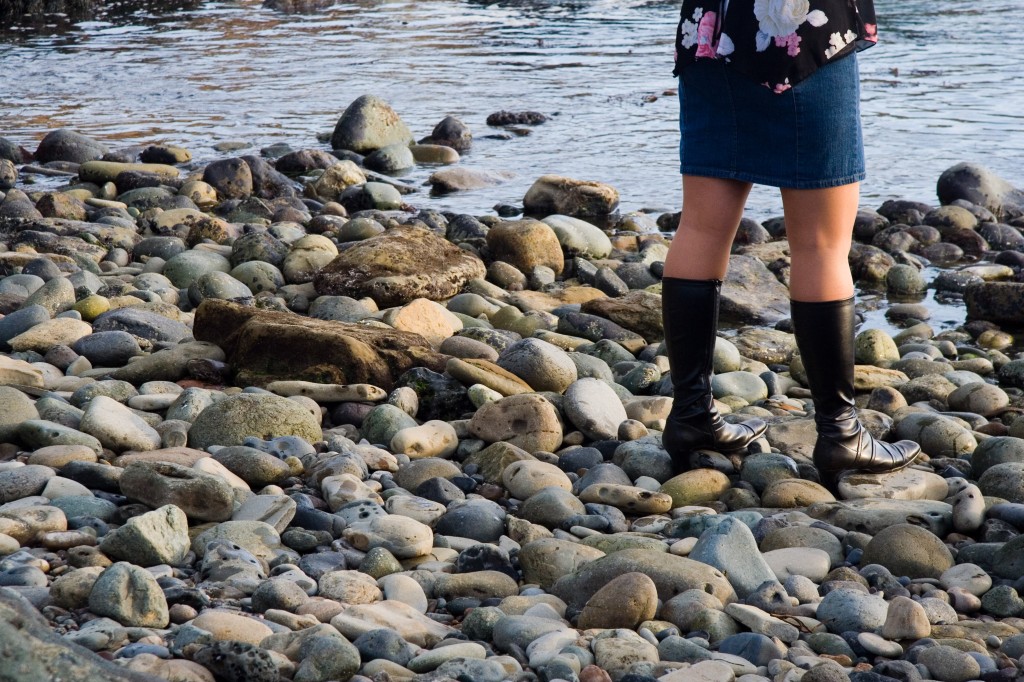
point(368, 124)
point(24, 481)
point(978, 185)
point(142, 323)
point(731, 548)
point(996, 450)
point(1004, 480)
point(131, 596)
point(33, 652)
point(231, 660)
point(20, 321)
point(543, 366)
point(108, 349)
point(844, 609)
point(948, 664)
point(150, 539)
point(671, 574)
point(201, 496)
point(594, 408)
point(751, 294)
point(908, 550)
point(67, 145)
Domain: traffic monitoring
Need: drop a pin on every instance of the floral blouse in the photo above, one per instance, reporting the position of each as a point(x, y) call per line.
point(778, 43)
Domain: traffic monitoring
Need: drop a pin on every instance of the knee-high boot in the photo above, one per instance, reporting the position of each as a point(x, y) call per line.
point(824, 334)
point(690, 314)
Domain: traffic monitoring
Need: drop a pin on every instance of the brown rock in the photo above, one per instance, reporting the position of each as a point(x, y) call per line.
point(527, 421)
point(526, 244)
point(265, 346)
point(402, 264)
point(61, 205)
point(625, 602)
point(638, 311)
point(477, 371)
point(908, 550)
point(462, 179)
point(567, 196)
point(492, 460)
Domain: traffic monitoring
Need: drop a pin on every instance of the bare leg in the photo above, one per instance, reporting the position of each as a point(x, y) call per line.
point(712, 208)
point(819, 224)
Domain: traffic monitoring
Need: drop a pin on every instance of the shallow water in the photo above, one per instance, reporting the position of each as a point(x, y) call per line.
point(942, 87)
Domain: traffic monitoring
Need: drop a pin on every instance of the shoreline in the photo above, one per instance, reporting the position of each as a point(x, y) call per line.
point(259, 421)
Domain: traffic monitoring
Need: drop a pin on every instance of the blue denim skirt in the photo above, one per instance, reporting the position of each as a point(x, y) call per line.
point(807, 137)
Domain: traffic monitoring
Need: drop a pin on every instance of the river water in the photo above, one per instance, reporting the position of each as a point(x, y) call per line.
point(943, 86)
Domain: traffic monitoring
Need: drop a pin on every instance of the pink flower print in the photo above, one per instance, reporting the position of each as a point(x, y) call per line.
point(791, 42)
point(706, 35)
point(871, 32)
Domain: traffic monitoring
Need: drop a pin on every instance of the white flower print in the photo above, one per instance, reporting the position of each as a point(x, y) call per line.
point(838, 42)
point(780, 17)
point(817, 18)
point(725, 45)
point(688, 29)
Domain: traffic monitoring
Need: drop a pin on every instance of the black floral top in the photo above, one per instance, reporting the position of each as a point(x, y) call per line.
point(778, 43)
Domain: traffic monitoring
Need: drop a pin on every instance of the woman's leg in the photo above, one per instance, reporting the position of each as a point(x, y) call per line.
point(712, 208)
point(819, 224)
point(694, 269)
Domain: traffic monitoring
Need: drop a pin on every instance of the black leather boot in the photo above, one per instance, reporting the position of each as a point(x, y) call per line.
point(824, 334)
point(690, 314)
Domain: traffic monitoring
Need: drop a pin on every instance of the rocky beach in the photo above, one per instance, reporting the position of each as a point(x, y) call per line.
point(271, 416)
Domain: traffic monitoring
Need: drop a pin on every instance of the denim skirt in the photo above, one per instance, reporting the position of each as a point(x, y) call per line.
point(807, 137)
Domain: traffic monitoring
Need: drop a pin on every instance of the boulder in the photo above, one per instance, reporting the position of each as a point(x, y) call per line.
point(752, 295)
point(978, 185)
point(1000, 302)
point(400, 265)
point(368, 124)
point(265, 346)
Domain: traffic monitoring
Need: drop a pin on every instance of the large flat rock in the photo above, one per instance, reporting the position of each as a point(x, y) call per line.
point(264, 346)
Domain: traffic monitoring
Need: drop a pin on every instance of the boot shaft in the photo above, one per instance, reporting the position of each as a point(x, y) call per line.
point(824, 334)
point(689, 311)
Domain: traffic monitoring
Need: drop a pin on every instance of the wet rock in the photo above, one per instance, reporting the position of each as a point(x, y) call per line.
point(232, 178)
point(976, 184)
point(451, 132)
point(368, 124)
point(464, 179)
point(67, 145)
point(1001, 302)
point(578, 198)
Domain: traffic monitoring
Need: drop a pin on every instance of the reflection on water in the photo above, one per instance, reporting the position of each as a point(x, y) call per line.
point(941, 88)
